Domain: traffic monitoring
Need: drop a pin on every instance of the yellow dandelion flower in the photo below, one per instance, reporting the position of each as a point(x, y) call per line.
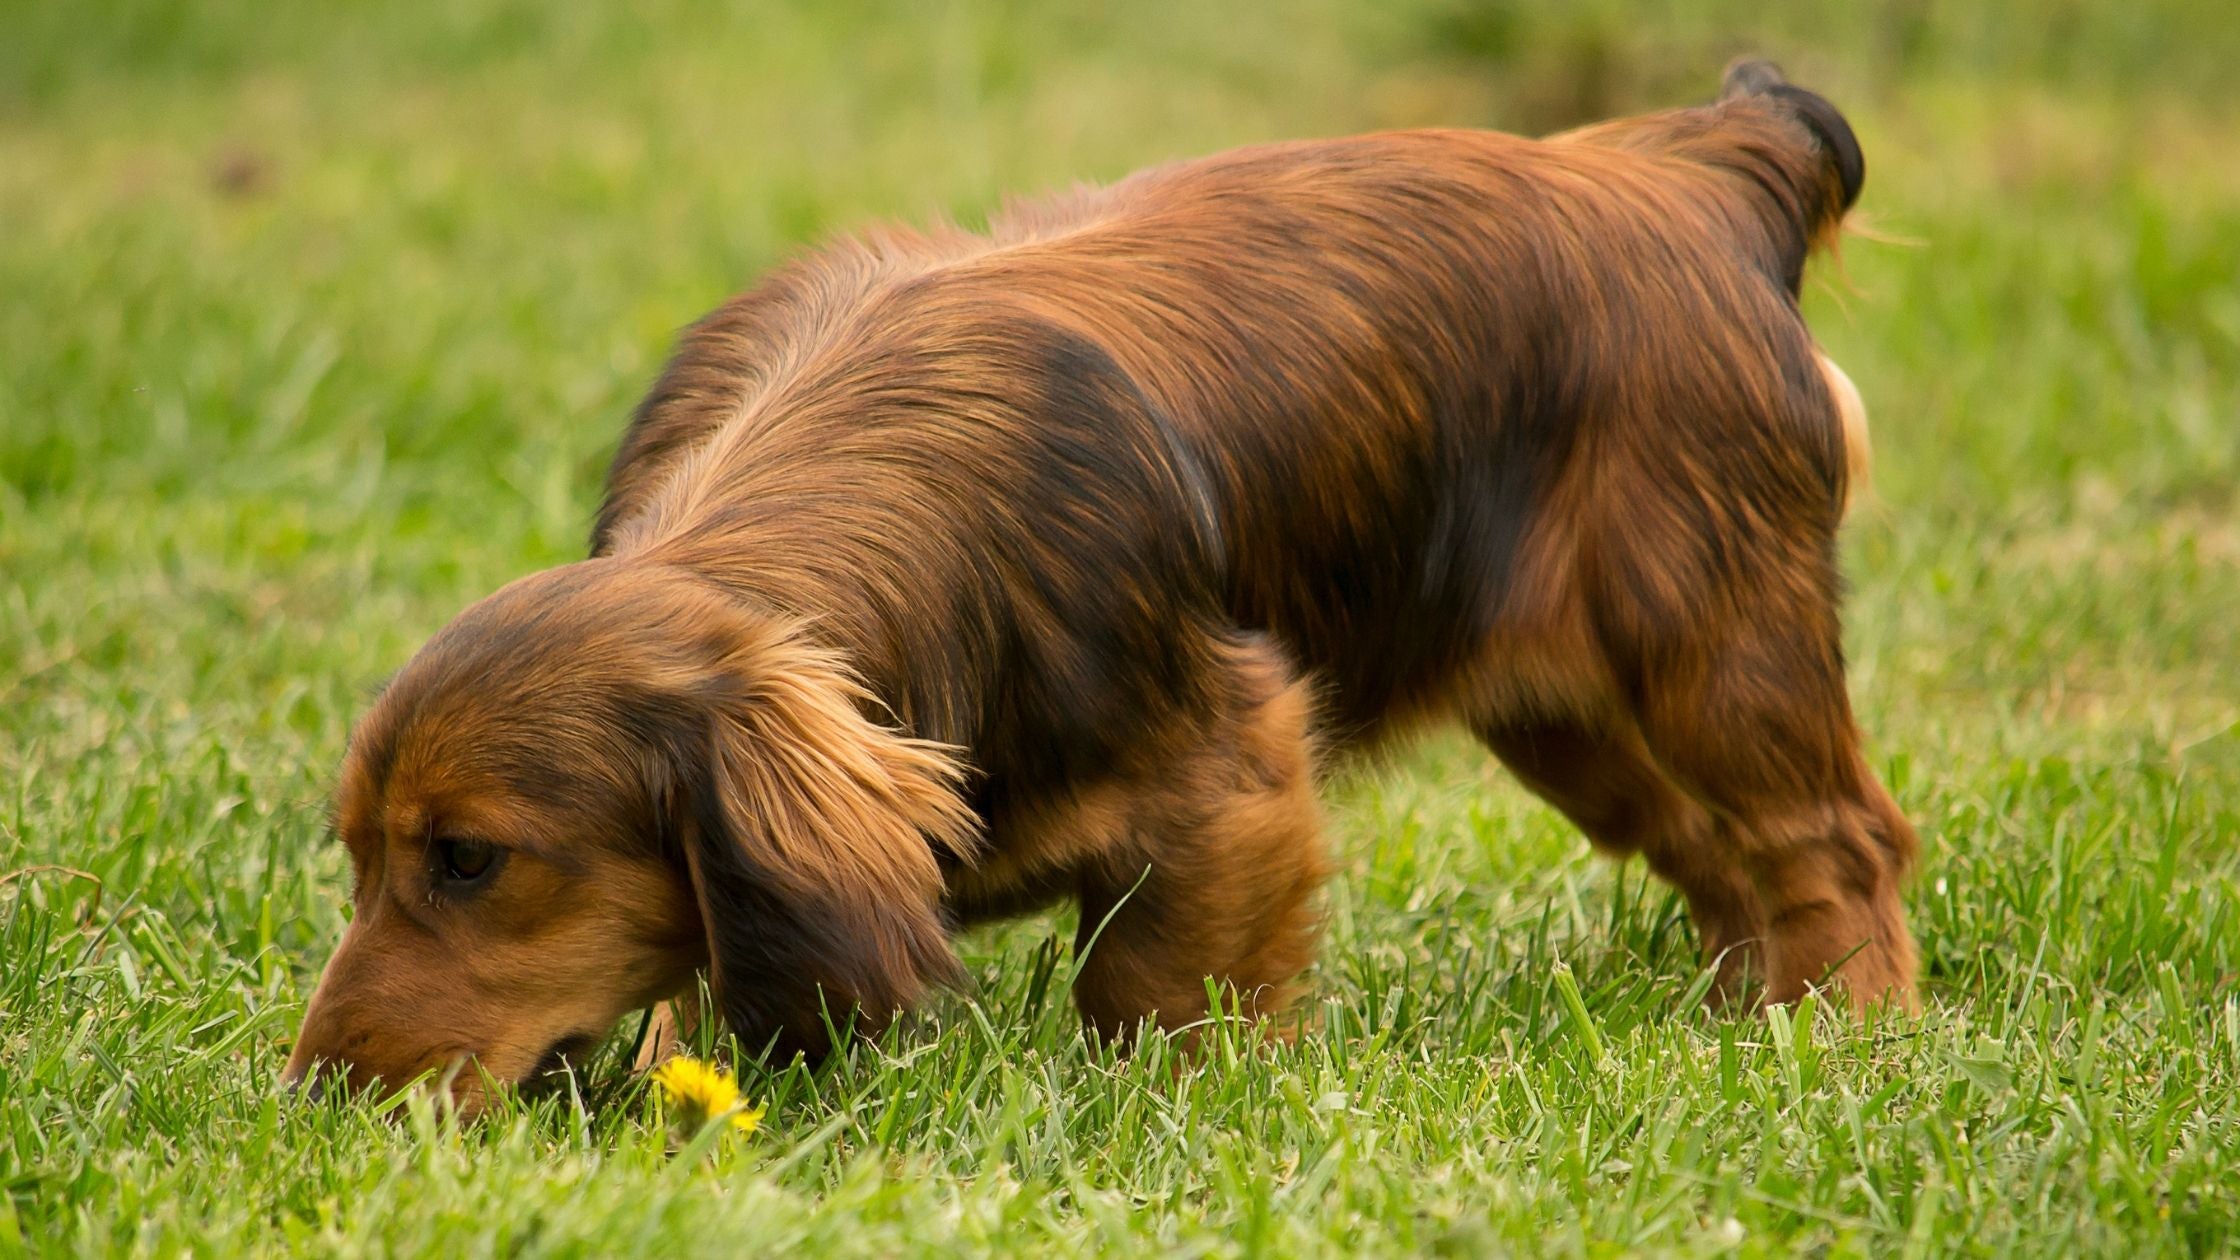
point(699, 1092)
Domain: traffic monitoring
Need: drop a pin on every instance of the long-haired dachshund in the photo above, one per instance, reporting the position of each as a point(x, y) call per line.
point(945, 576)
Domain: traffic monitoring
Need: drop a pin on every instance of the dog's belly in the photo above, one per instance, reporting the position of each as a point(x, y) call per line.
point(1382, 529)
point(1383, 610)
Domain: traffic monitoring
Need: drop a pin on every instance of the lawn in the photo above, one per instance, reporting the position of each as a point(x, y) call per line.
point(317, 321)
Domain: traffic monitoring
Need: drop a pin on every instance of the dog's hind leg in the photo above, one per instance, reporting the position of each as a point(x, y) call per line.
point(1747, 713)
point(1601, 776)
point(1216, 854)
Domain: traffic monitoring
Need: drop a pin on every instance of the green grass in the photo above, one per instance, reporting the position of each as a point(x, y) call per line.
point(318, 321)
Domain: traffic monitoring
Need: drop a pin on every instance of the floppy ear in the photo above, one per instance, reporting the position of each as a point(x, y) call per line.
point(810, 839)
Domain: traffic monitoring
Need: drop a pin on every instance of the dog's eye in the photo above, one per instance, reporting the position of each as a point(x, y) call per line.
point(464, 861)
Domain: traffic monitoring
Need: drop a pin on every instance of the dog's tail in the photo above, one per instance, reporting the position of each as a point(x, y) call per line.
point(1820, 191)
point(1818, 174)
point(1838, 170)
point(1783, 162)
point(1786, 150)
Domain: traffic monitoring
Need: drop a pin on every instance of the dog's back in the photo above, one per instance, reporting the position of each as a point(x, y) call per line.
point(1362, 394)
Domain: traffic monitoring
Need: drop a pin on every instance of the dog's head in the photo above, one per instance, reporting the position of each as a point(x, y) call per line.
point(591, 786)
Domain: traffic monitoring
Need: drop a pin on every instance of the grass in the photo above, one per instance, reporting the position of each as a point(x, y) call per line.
point(318, 321)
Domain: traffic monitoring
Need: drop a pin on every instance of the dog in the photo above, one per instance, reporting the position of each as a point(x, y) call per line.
point(945, 576)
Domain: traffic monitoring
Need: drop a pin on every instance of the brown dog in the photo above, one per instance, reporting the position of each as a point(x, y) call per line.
point(945, 576)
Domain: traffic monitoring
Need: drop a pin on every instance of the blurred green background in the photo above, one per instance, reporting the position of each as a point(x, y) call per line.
point(317, 321)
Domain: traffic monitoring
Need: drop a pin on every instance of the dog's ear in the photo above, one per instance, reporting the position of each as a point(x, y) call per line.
point(809, 833)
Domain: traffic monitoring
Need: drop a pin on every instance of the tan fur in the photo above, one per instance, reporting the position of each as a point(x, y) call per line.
point(827, 793)
point(1851, 413)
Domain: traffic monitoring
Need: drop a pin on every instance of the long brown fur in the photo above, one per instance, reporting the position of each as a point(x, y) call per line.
point(944, 576)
